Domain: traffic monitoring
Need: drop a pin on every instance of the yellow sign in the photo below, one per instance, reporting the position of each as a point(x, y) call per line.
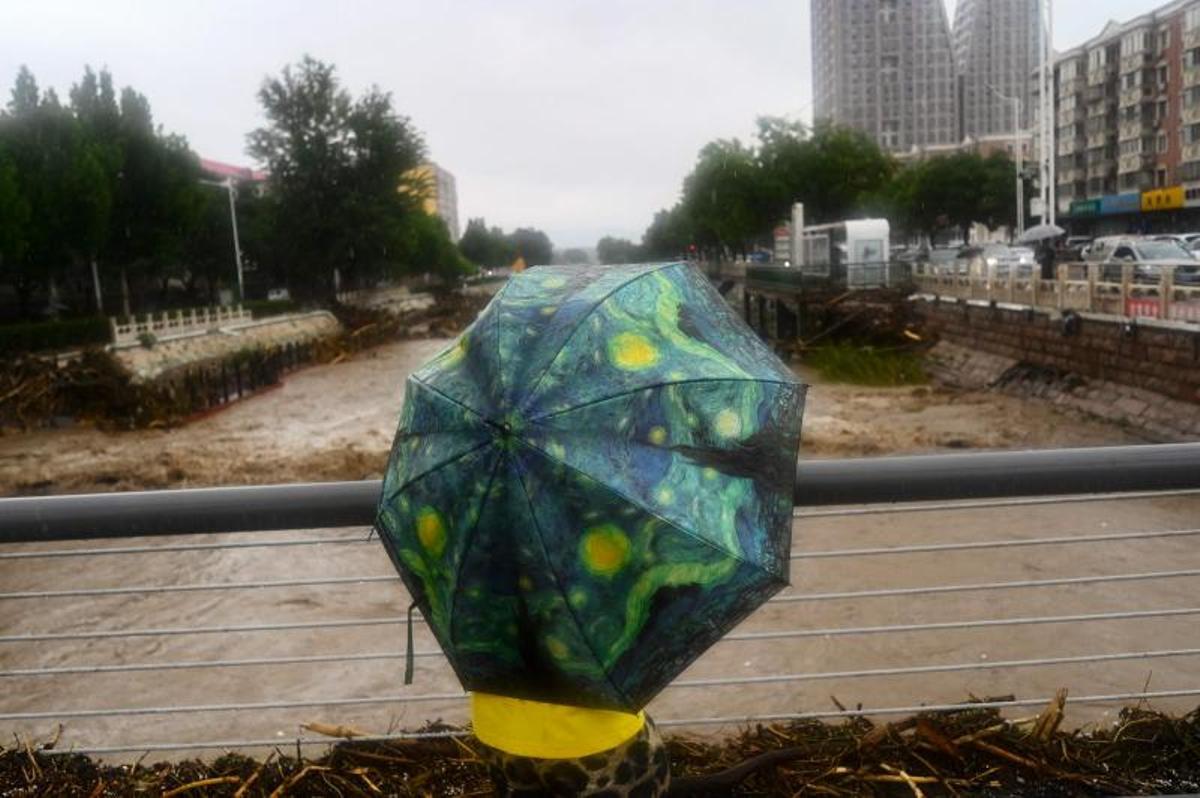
point(1162, 199)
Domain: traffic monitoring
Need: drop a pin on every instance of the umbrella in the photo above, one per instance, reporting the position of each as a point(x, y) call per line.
point(1040, 232)
point(593, 484)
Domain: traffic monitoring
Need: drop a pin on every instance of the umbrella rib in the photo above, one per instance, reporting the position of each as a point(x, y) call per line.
point(400, 489)
point(636, 503)
point(467, 544)
point(582, 318)
point(450, 398)
point(558, 584)
point(668, 384)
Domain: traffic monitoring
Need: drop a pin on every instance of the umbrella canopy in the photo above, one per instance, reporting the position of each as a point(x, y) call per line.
point(593, 483)
point(1040, 232)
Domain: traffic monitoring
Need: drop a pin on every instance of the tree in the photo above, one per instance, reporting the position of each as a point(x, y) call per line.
point(14, 218)
point(484, 247)
point(435, 252)
point(725, 197)
point(531, 244)
point(611, 250)
point(339, 179)
point(831, 169)
point(668, 236)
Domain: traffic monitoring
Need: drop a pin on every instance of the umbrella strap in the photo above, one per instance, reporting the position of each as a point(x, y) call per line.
point(409, 660)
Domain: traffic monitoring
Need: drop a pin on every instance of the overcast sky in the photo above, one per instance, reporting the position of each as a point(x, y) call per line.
point(574, 116)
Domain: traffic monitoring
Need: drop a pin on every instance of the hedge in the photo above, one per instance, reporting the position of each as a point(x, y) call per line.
point(261, 308)
point(17, 339)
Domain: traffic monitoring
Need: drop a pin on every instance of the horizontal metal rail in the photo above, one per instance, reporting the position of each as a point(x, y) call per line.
point(980, 475)
point(782, 598)
point(835, 631)
point(683, 684)
point(1056, 540)
point(716, 682)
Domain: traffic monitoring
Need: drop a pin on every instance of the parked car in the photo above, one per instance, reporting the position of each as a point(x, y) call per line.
point(1182, 238)
point(996, 261)
point(943, 260)
point(1148, 256)
point(1074, 248)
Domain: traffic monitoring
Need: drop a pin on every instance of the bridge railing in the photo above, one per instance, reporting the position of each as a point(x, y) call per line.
point(1078, 286)
point(236, 637)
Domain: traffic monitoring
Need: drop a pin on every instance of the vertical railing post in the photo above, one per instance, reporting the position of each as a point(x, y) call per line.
point(1166, 286)
point(1061, 287)
point(1093, 274)
point(1126, 289)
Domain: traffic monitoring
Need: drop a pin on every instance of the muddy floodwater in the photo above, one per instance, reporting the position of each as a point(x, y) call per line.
point(190, 678)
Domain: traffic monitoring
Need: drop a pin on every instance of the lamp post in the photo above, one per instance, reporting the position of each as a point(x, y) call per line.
point(227, 184)
point(1017, 154)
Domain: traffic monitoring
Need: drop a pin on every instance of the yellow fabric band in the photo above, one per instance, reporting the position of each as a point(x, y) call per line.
point(549, 731)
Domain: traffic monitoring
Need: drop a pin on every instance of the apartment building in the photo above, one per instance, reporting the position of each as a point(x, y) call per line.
point(886, 67)
point(1127, 119)
point(440, 194)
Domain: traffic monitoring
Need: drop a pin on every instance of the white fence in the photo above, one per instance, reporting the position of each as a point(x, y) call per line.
point(179, 322)
point(1079, 287)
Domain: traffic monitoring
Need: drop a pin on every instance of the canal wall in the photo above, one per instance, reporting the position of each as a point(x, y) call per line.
point(1142, 373)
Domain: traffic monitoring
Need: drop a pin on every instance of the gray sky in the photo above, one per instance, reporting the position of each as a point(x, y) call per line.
point(577, 116)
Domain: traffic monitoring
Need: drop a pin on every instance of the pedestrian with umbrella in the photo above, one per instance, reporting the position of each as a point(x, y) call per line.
point(588, 489)
point(1042, 236)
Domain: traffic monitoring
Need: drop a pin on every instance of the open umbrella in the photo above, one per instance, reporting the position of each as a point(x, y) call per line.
point(593, 483)
point(1040, 232)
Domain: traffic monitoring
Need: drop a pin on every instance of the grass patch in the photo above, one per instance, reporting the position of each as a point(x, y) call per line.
point(861, 364)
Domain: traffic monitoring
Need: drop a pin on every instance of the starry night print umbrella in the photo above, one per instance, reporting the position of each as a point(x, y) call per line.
point(593, 484)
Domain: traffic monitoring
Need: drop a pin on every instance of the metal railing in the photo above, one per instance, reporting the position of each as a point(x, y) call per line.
point(220, 641)
point(1081, 287)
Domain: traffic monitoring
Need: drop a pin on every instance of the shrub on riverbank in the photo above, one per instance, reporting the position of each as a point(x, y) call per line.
point(866, 365)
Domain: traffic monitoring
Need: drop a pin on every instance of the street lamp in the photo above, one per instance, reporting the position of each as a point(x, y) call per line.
point(1020, 157)
point(227, 184)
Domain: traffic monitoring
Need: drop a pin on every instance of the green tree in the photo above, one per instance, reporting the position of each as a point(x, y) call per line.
point(668, 236)
point(725, 197)
point(339, 180)
point(486, 246)
point(832, 170)
point(14, 219)
point(434, 251)
point(611, 250)
point(531, 244)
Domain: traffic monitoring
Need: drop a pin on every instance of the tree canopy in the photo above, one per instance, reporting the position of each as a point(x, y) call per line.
point(736, 193)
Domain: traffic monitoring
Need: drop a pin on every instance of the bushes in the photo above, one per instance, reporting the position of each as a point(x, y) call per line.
point(262, 308)
point(16, 339)
point(866, 365)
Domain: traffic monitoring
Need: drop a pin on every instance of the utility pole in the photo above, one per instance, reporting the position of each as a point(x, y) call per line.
point(1052, 127)
point(227, 184)
point(1018, 155)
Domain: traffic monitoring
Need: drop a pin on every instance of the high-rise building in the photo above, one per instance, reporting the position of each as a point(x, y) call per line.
point(440, 194)
point(886, 67)
point(995, 49)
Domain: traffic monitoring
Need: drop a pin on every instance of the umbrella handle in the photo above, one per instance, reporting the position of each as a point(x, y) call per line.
point(409, 663)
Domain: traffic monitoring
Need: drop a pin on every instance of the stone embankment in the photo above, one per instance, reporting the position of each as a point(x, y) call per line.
point(166, 355)
point(1144, 374)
